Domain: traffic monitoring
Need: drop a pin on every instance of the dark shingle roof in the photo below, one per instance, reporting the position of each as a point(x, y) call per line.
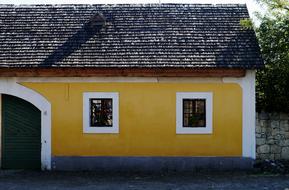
point(150, 35)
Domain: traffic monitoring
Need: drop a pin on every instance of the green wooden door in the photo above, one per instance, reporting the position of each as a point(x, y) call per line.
point(21, 134)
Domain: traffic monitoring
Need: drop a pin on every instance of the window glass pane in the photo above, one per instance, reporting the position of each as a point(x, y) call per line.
point(101, 112)
point(194, 113)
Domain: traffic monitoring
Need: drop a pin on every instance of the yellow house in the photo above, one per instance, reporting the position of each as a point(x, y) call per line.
point(154, 86)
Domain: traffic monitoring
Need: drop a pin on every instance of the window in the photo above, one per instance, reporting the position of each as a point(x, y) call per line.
point(194, 113)
point(100, 112)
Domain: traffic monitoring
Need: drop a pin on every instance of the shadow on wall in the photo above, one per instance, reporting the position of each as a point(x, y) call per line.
point(239, 50)
point(89, 29)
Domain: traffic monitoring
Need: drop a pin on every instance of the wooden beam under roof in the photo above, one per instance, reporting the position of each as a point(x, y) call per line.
point(121, 72)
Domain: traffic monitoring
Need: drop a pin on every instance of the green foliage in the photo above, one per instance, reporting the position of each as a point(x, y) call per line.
point(275, 6)
point(246, 23)
point(272, 86)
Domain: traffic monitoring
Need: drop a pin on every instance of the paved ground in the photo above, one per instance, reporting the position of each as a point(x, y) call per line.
point(90, 180)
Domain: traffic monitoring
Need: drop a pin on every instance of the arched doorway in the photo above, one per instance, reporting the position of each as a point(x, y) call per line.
point(21, 134)
point(34, 100)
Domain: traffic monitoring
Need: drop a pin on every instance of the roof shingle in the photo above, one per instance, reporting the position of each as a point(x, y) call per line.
point(149, 35)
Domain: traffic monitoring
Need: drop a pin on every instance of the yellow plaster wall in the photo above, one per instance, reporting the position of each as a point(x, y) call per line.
point(147, 113)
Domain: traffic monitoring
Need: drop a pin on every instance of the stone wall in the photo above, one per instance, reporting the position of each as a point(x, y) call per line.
point(272, 136)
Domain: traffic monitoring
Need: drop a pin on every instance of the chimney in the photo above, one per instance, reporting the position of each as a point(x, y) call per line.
point(96, 22)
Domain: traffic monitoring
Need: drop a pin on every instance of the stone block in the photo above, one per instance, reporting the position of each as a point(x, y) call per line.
point(260, 141)
point(264, 156)
point(263, 123)
point(284, 142)
point(275, 116)
point(284, 125)
point(271, 156)
point(284, 116)
point(277, 156)
point(275, 124)
point(263, 115)
point(263, 149)
point(258, 128)
point(268, 130)
point(285, 153)
point(275, 149)
point(275, 131)
point(263, 130)
point(278, 137)
point(271, 141)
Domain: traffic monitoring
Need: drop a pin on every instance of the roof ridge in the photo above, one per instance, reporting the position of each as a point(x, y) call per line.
point(128, 5)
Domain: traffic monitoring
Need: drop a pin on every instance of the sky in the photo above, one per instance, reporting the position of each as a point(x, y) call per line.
point(251, 4)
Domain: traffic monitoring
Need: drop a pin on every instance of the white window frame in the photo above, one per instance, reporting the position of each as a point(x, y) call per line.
point(208, 96)
point(86, 112)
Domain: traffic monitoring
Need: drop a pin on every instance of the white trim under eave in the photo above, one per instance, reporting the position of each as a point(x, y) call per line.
point(249, 112)
point(11, 87)
point(117, 79)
